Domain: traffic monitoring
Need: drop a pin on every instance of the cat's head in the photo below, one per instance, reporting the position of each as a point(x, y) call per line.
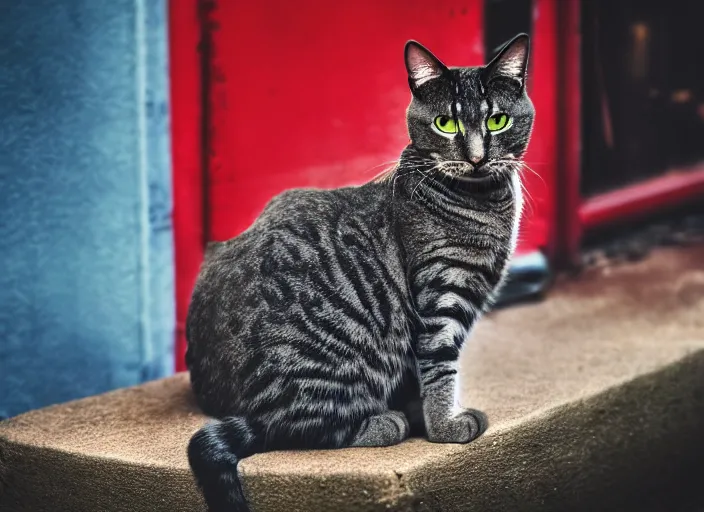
point(471, 122)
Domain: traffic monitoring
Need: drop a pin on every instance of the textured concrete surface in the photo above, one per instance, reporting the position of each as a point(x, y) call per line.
point(595, 397)
point(85, 199)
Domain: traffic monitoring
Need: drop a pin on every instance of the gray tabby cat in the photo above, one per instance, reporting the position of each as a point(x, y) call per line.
point(338, 317)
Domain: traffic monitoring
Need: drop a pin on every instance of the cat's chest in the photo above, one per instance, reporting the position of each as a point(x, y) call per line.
point(516, 211)
point(458, 268)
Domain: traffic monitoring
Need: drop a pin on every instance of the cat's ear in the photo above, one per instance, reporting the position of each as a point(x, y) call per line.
point(511, 62)
point(422, 65)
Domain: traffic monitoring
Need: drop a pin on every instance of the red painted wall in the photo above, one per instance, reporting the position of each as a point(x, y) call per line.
point(313, 93)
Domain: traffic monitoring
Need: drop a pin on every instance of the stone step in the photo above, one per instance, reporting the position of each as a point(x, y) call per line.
point(595, 398)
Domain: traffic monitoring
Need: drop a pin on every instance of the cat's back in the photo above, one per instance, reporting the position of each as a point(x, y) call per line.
point(303, 212)
point(290, 220)
point(296, 216)
point(292, 242)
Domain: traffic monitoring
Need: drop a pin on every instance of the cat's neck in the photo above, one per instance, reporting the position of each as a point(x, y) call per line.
point(427, 208)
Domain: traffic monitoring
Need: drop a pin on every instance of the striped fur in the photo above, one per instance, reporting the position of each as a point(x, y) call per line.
point(337, 318)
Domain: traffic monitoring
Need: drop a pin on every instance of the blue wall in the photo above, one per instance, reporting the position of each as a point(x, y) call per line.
point(86, 258)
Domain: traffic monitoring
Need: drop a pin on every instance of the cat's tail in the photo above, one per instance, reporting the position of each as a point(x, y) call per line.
point(213, 454)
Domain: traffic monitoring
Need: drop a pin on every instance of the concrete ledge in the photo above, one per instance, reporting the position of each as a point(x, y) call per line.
point(596, 398)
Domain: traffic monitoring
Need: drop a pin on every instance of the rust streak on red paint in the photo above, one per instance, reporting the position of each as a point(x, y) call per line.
point(299, 97)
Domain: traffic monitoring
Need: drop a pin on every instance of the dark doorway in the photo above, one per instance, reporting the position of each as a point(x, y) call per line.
point(643, 90)
point(503, 19)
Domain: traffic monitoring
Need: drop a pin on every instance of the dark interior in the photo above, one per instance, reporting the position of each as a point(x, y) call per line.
point(643, 90)
point(503, 19)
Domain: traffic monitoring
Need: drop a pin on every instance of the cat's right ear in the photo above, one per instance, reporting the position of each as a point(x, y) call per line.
point(511, 62)
point(422, 65)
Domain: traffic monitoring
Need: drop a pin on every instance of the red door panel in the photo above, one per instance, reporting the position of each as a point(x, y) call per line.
point(312, 93)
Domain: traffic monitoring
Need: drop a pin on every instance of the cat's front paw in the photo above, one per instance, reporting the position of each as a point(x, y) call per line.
point(462, 428)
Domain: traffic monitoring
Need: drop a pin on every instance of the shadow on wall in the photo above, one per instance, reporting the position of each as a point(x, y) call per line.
point(86, 288)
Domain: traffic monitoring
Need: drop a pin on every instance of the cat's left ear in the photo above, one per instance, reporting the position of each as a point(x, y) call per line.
point(422, 65)
point(511, 62)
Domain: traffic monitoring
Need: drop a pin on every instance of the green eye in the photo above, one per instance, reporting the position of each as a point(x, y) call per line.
point(445, 124)
point(498, 122)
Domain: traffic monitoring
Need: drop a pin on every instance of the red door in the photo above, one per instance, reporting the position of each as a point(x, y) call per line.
point(313, 93)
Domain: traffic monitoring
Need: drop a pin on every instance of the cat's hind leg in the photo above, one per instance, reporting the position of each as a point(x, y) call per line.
point(385, 429)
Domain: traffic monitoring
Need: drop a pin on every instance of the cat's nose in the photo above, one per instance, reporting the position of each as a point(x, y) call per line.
point(476, 148)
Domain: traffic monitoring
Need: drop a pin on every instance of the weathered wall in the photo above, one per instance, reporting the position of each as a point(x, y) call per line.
point(86, 263)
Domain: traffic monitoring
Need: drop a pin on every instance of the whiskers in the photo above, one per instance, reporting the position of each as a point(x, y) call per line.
point(438, 168)
point(386, 173)
point(529, 168)
point(434, 170)
point(530, 202)
point(415, 164)
point(520, 166)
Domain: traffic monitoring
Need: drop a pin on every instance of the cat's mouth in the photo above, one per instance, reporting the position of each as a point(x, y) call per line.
point(467, 172)
point(476, 178)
